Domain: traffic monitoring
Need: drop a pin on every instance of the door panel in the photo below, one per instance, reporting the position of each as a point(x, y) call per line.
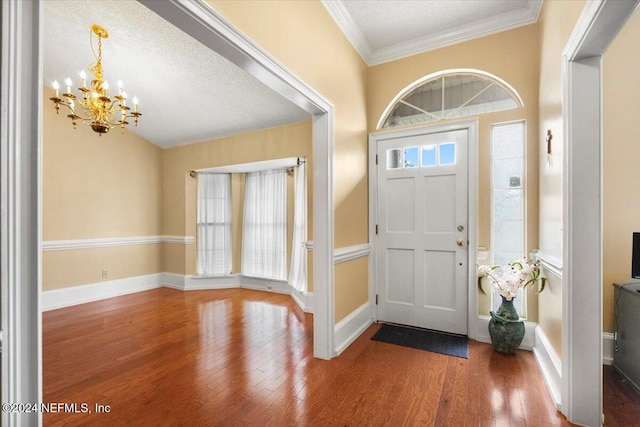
point(439, 196)
point(400, 205)
point(440, 270)
point(400, 271)
point(422, 214)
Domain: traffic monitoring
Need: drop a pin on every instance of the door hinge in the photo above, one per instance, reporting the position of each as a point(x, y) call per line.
point(376, 159)
point(376, 299)
point(376, 228)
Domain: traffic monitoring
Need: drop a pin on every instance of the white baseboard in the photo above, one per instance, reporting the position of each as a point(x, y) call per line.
point(608, 348)
point(65, 297)
point(173, 280)
point(59, 298)
point(528, 341)
point(549, 364)
point(351, 327)
point(304, 300)
point(261, 284)
point(194, 283)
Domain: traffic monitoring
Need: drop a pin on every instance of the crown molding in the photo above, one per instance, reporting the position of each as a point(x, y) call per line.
point(350, 29)
point(485, 27)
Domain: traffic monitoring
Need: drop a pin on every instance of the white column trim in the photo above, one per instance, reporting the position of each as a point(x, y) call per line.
point(20, 200)
point(582, 208)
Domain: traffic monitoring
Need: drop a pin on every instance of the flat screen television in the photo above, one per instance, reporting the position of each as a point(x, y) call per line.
point(635, 257)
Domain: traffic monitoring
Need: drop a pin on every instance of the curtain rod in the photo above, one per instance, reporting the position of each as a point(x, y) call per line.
point(194, 173)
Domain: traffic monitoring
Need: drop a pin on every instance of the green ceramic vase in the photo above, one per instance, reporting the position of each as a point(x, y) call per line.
point(505, 328)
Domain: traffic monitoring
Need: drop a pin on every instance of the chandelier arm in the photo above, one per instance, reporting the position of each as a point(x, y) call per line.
point(68, 105)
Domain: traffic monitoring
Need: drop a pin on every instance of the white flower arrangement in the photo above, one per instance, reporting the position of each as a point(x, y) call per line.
point(509, 279)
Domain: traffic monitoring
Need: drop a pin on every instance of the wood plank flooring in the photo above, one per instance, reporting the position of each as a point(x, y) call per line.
point(621, 403)
point(245, 358)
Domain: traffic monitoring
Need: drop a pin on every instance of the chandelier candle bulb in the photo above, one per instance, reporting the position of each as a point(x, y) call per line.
point(135, 104)
point(56, 86)
point(83, 77)
point(68, 83)
point(119, 87)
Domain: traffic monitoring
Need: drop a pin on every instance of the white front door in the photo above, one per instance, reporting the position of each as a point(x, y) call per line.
point(422, 244)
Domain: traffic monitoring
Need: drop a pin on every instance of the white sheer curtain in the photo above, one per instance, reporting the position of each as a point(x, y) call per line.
point(298, 268)
point(214, 224)
point(264, 234)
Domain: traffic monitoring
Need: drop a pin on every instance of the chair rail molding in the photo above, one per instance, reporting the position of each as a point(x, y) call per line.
point(349, 253)
point(550, 263)
point(101, 242)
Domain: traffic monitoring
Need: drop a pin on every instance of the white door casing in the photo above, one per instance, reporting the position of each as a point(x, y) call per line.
point(421, 249)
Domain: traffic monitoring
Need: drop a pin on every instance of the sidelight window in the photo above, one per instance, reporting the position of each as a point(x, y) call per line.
point(507, 219)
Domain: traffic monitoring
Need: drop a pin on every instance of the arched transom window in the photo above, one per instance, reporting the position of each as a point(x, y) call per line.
point(447, 95)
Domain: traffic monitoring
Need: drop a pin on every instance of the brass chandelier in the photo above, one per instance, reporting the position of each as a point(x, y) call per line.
point(99, 110)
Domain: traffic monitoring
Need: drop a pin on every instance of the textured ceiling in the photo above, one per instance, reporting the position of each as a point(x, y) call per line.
point(384, 30)
point(187, 92)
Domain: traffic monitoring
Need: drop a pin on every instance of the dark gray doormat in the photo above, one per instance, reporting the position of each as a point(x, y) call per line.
point(423, 339)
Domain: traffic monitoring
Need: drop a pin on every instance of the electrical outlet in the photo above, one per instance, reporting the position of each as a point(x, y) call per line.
point(105, 274)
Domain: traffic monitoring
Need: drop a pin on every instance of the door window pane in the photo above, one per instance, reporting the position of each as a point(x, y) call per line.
point(410, 157)
point(394, 158)
point(448, 153)
point(429, 155)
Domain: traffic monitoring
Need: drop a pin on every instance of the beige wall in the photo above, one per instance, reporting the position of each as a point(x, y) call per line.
point(63, 269)
point(550, 312)
point(304, 38)
point(557, 20)
point(510, 55)
point(621, 105)
point(95, 187)
point(179, 189)
point(349, 297)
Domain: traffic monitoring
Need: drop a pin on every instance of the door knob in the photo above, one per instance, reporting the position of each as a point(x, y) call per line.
point(460, 242)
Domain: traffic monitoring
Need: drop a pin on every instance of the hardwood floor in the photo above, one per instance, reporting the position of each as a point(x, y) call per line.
point(238, 357)
point(621, 404)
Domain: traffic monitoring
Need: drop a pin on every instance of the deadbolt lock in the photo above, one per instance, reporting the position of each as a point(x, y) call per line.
point(461, 228)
